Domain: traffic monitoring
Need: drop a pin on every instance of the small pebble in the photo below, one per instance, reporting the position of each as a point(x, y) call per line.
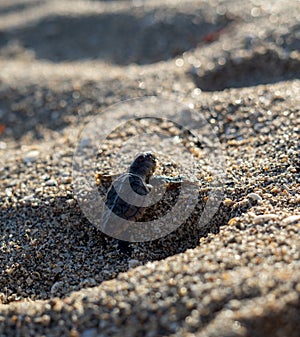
point(51, 182)
point(31, 156)
point(133, 263)
point(291, 219)
point(3, 145)
point(259, 219)
point(254, 196)
point(90, 333)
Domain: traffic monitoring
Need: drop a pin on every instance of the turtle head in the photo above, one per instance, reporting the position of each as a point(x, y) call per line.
point(143, 165)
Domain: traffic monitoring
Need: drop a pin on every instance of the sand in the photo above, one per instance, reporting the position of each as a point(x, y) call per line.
point(238, 65)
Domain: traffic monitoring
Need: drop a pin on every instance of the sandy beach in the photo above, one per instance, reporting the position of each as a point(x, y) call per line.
point(65, 64)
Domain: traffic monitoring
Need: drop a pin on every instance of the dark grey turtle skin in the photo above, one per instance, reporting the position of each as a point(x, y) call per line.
point(138, 175)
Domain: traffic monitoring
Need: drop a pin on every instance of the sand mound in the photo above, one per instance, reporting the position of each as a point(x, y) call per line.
point(62, 64)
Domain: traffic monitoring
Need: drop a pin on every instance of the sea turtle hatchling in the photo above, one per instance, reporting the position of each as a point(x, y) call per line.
point(135, 184)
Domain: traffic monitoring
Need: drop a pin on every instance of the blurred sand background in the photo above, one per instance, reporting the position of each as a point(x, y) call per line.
point(237, 63)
